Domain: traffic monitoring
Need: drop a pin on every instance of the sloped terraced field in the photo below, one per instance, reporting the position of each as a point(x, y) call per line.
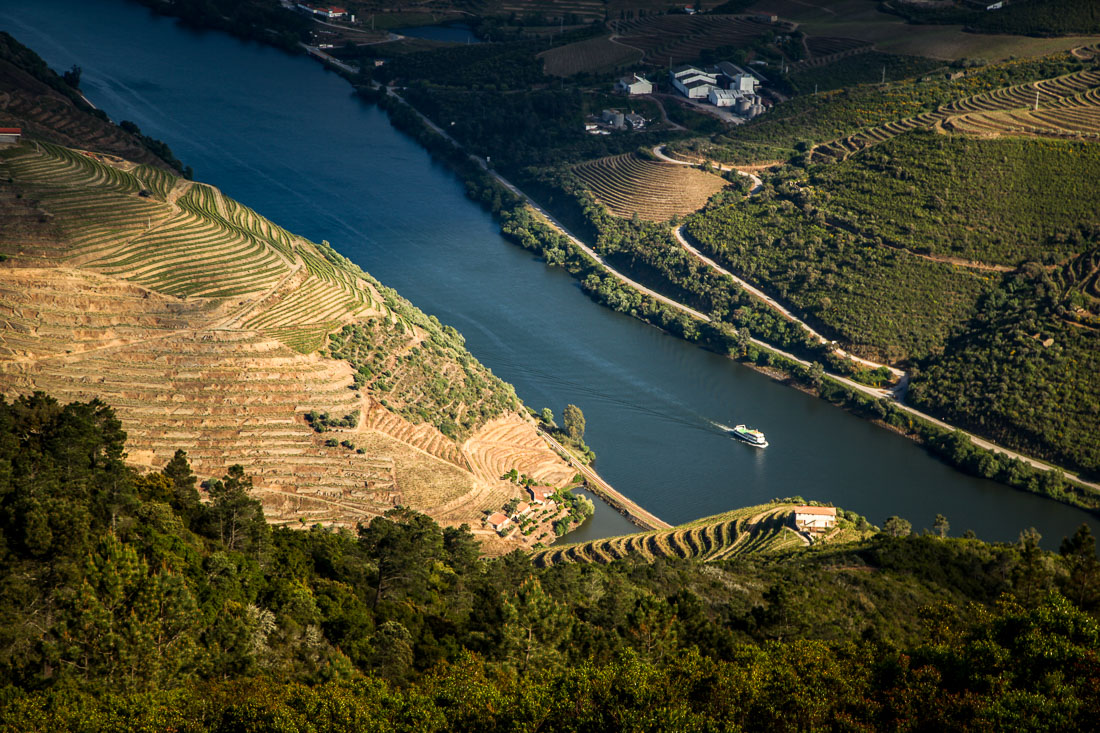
point(200, 322)
point(1081, 122)
point(676, 39)
point(1077, 90)
point(758, 529)
point(591, 54)
point(654, 190)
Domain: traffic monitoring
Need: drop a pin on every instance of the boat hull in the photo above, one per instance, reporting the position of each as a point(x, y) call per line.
point(747, 440)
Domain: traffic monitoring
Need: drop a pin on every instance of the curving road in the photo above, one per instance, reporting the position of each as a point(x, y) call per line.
point(899, 390)
point(678, 233)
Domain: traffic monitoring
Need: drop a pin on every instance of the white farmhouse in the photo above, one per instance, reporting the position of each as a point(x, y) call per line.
point(814, 517)
point(499, 520)
point(693, 83)
point(10, 135)
point(634, 85)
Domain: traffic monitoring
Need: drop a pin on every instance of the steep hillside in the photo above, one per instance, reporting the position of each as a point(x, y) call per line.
point(212, 329)
point(36, 99)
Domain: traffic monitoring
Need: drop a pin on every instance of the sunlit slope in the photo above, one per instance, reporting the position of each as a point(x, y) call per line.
point(749, 530)
point(210, 328)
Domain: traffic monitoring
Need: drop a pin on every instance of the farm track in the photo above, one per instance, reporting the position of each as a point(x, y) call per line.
point(851, 384)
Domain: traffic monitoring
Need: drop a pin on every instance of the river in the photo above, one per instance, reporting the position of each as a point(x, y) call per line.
point(288, 138)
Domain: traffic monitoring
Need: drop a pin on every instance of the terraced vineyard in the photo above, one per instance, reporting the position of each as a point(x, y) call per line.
point(675, 39)
point(200, 322)
point(1081, 122)
point(654, 190)
point(750, 530)
point(1076, 90)
point(592, 55)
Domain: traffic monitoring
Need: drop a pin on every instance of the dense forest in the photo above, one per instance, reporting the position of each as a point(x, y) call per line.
point(127, 603)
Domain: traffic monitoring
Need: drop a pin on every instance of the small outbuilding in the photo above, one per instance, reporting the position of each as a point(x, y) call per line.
point(499, 521)
point(10, 135)
point(634, 85)
point(814, 518)
point(539, 494)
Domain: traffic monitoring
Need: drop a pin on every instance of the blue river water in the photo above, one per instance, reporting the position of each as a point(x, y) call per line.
point(289, 139)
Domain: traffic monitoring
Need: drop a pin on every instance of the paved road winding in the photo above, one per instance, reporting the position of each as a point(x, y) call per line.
point(871, 391)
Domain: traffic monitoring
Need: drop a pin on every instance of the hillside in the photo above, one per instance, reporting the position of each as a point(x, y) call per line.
point(168, 614)
point(212, 329)
point(37, 100)
point(751, 530)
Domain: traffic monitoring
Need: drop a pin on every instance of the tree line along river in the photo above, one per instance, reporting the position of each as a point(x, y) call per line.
point(289, 139)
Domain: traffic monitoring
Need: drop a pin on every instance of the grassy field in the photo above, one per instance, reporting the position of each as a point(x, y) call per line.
point(755, 530)
point(212, 329)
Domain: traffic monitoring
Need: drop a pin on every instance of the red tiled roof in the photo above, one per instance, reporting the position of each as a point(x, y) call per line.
point(497, 518)
point(539, 493)
point(825, 511)
point(11, 131)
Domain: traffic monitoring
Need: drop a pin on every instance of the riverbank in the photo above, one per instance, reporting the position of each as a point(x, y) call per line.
point(598, 486)
point(652, 402)
point(527, 224)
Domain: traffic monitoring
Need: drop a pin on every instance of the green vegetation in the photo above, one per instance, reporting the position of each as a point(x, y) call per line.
point(880, 300)
point(435, 381)
point(538, 127)
point(164, 612)
point(995, 201)
point(481, 66)
point(832, 115)
point(1021, 373)
point(1034, 17)
point(863, 68)
point(748, 531)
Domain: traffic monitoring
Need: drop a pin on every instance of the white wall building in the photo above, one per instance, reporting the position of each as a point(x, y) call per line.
point(723, 97)
point(634, 85)
point(10, 135)
point(814, 517)
point(693, 83)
